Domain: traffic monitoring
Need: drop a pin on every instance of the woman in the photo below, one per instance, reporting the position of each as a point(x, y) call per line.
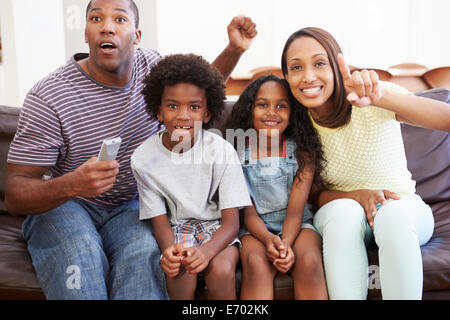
point(371, 196)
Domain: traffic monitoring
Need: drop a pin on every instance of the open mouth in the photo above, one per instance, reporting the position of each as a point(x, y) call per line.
point(183, 127)
point(271, 123)
point(107, 47)
point(311, 91)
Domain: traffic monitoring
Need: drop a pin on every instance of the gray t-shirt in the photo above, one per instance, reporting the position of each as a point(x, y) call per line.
point(195, 184)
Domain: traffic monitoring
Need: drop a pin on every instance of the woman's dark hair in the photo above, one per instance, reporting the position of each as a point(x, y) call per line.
point(185, 68)
point(301, 130)
point(342, 108)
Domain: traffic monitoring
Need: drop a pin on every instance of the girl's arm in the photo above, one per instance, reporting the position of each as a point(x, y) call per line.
point(198, 258)
point(299, 195)
point(256, 226)
point(363, 90)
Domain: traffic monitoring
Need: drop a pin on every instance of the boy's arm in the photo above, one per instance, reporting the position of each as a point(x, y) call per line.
point(198, 258)
point(163, 231)
point(172, 255)
point(241, 32)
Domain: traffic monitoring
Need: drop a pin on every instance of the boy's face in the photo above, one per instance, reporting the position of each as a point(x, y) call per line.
point(183, 110)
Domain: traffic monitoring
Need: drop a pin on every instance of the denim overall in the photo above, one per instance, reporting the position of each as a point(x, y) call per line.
point(269, 181)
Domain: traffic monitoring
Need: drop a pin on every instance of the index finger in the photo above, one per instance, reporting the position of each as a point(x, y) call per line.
point(343, 67)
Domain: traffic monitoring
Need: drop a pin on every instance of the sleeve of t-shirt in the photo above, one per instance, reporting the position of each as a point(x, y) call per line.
point(233, 192)
point(38, 140)
point(151, 201)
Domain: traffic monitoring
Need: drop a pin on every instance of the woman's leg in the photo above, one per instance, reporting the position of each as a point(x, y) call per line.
point(220, 275)
point(400, 228)
point(307, 272)
point(257, 271)
point(343, 225)
point(67, 253)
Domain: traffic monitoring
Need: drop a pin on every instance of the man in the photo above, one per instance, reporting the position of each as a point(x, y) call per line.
point(83, 231)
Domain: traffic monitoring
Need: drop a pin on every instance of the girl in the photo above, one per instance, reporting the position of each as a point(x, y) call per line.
point(372, 195)
point(280, 164)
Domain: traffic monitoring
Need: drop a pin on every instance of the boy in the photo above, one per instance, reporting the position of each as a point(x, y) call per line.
point(190, 180)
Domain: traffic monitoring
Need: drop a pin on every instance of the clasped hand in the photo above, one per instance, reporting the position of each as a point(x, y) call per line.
point(280, 253)
point(192, 259)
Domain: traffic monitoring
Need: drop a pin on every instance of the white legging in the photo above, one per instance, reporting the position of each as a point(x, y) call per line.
point(400, 228)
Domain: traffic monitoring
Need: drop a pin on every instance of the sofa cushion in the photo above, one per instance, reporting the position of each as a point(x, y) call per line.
point(428, 153)
point(436, 252)
point(17, 276)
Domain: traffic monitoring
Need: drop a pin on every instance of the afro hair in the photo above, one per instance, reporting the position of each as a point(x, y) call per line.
point(185, 68)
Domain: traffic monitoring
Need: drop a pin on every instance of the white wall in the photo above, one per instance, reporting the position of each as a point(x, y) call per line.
point(40, 35)
point(374, 34)
point(32, 35)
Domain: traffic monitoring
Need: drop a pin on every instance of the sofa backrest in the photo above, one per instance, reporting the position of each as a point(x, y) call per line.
point(9, 117)
point(428, 155)
point(427, 151)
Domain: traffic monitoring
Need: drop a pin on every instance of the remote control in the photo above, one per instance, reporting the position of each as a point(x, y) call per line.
point(109, 149)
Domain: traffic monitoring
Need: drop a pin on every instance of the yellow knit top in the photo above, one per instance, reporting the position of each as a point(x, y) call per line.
point(368, 152)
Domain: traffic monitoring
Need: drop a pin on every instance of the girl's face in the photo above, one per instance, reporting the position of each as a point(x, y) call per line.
point(309, 72)
point(271, 109)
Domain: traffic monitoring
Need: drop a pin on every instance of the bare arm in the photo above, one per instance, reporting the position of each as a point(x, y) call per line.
point(417, 111)
point(297, 200)
point(27, 193)
point(368, 199)
point(198, 257)
point(241, 32)
point(256, 226)
point(363, 90)
point(172, 254)
point(225, 234)
point(163, 231)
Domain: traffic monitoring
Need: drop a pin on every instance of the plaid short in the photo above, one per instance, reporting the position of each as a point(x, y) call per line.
point(194, 233)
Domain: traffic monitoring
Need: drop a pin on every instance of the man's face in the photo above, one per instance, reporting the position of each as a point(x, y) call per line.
point(111, 35)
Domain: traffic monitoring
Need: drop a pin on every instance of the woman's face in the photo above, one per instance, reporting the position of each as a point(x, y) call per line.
point(309, 72)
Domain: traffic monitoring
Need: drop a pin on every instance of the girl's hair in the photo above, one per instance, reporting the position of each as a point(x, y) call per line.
point(185, 68)
point(301, 130)
point(342, 108)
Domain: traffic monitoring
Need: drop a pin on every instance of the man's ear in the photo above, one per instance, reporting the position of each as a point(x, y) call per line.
point(138, 37)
